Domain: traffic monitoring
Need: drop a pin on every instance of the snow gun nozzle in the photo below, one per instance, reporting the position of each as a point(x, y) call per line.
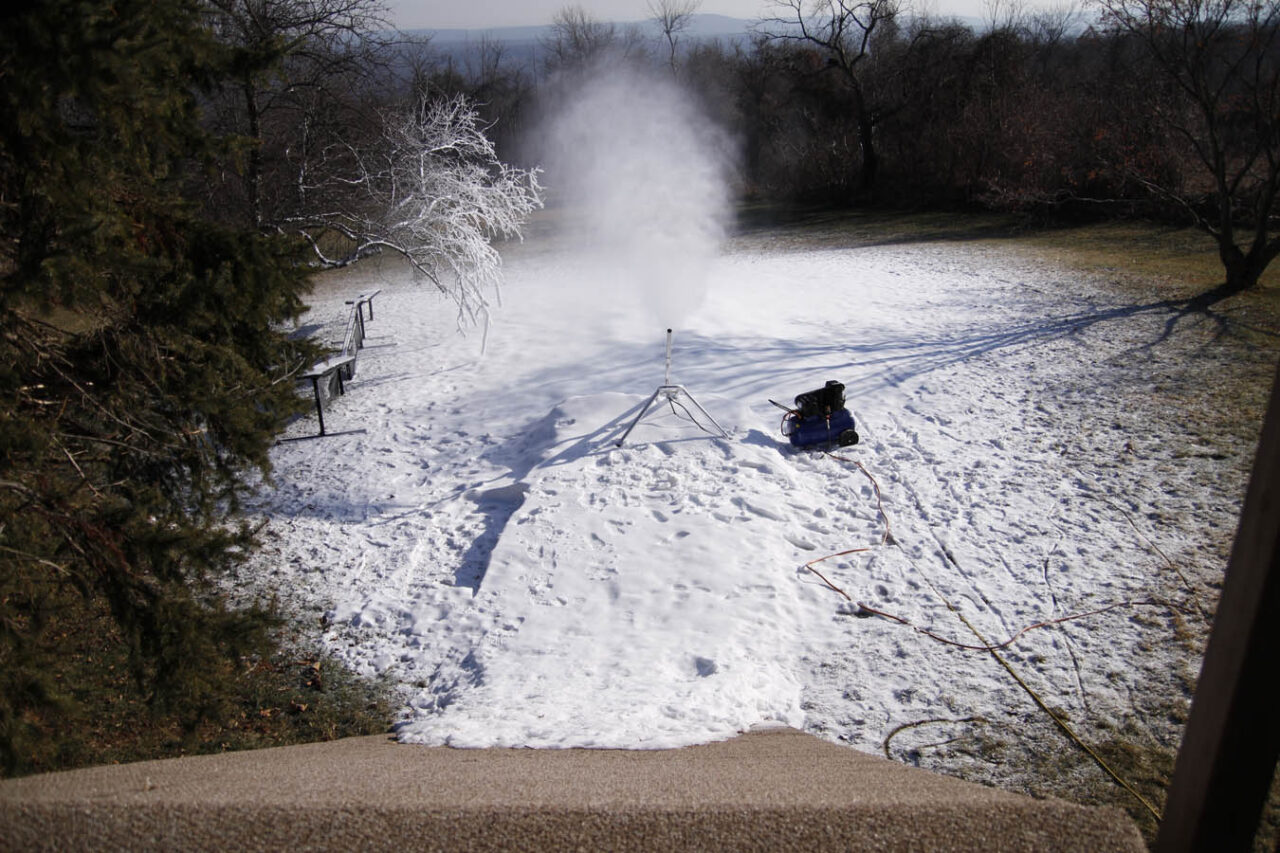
point(666, 376)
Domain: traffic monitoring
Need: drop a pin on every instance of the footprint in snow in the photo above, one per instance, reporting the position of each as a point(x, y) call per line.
point(802, 544)
point(764, 512)
point(705, 666)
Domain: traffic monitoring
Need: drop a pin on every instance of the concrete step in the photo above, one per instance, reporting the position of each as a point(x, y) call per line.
point(774, 789)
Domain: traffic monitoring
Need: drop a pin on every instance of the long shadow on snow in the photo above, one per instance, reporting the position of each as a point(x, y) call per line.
point(751, 366)
point(755, 366)
point(521, 456)
point(496, 506)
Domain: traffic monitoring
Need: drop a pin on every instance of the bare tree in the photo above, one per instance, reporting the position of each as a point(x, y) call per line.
point(1048, 27)
point(430, 189)
point(289, 54)
point(673, 17)
point(486, 62)
point(1223, 60)
point(844, 31)
point(579, 40)
point(502, 89)
point(1007, 15)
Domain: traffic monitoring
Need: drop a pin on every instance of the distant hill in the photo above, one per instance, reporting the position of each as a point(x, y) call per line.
point(522, 45)
point(701, 27)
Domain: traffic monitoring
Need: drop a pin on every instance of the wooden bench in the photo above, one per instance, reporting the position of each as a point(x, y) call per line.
point(330, 370)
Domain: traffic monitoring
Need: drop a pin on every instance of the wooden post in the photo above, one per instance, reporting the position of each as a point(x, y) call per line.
point(1229, 750)
point(315, 387)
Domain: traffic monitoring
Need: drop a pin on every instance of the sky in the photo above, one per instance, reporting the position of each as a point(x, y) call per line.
point(480, 14)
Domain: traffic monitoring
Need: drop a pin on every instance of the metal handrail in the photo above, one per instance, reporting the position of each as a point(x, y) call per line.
point(353, 340)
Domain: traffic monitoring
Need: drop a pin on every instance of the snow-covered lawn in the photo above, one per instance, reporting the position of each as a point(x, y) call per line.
point(1043, 447)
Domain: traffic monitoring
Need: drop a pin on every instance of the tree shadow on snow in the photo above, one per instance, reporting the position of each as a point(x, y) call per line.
point(749, 367)
point(753, 365)
point(537, 448)
point(496, 506)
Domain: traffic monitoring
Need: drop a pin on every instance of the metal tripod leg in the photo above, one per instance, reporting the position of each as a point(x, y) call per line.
point(698, 406)
point(671, 392)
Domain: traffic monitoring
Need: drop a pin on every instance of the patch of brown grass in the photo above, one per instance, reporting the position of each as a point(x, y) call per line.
point(102, 716)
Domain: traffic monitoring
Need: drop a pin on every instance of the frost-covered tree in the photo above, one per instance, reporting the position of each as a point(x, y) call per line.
point(430, 188)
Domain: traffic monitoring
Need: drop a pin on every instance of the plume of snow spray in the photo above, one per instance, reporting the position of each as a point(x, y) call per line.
point(647, 174)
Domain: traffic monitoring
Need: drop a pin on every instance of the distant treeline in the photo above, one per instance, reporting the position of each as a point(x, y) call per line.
point(1153, 108)
point(1157, 108)
point(1038, 112)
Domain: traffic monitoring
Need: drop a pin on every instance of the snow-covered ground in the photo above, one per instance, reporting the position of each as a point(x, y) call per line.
point(1040, 443)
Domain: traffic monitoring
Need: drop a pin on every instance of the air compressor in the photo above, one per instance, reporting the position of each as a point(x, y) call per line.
point(819, 418)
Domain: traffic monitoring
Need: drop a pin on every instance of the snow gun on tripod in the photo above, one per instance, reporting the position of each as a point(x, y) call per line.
point(819, 417)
